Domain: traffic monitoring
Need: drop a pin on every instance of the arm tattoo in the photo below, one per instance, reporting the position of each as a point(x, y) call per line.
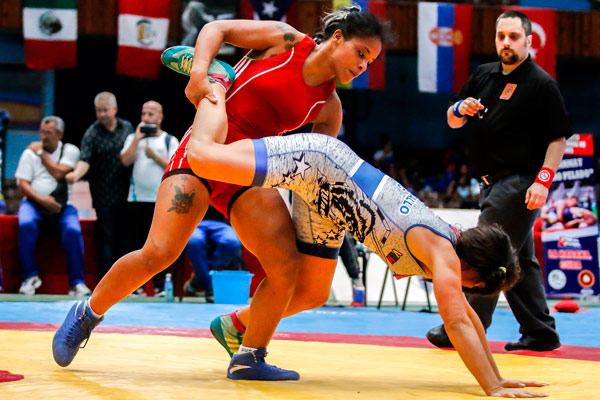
point(289, 35)
point(182, 202)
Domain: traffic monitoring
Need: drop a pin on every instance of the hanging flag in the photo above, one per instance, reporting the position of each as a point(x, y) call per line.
point(374, 77)
point(50, 32)
point(543, 44)
point(143, 29)
point(444, 46)
point(273, 10)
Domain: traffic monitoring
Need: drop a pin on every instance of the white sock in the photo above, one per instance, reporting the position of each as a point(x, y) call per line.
point(244, 349)
point(94, 314)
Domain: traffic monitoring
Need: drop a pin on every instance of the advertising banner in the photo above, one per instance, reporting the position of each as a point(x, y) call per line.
point(570, 224)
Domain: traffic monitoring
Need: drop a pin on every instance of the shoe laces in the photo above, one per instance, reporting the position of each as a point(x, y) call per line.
point(186, 63)
point(74, 333)
point(259, 355)
point(84, 323)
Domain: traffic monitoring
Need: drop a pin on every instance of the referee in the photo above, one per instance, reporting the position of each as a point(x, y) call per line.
point(518, 129)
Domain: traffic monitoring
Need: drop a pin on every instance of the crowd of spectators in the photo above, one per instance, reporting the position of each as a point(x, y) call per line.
point(440, 179)
point(124, 166)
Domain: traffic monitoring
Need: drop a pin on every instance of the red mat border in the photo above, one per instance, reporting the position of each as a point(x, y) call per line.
point(565, 351)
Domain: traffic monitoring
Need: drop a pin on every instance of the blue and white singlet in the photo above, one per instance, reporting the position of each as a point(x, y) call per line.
point(341, 192)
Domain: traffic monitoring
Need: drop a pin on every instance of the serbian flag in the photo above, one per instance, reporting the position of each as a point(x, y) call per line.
point(374, 77)
point(444, 46)
point(50, 32)
point(543, 43)
point(143, 29)
point(274, 10)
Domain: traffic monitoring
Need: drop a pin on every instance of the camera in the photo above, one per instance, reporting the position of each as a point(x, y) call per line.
point(148, 129)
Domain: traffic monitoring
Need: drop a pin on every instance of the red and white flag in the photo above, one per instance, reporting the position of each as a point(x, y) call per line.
point(143, 30)
point(543, 45)
point(50, 32)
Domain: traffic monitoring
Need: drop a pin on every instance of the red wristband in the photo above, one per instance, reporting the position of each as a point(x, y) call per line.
point(545, 177)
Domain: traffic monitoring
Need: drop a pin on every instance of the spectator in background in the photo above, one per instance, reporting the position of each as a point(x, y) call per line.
point(384, 157)
point(148, 149)
point(213, 245)
point(349, 256)
point(41, 179)
point(463, 190)
point(410, 174)
point(109, 179)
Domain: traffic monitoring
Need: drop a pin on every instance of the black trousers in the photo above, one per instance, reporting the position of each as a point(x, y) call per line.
point(503, 203)
point(109, 236)
point(349, 257)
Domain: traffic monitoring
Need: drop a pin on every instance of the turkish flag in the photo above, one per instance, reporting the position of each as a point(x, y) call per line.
point(543, 44)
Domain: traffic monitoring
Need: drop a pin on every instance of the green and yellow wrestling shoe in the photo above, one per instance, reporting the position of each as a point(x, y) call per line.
point(181, 58)
point(224, 330)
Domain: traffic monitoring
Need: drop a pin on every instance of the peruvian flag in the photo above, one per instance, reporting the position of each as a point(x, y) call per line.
point(50, 32)
point(543, 44)
point(444, 46)
point(143, 29)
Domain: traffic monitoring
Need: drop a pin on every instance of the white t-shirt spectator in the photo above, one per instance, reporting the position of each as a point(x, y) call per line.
point(147, 174)
point(31, 169)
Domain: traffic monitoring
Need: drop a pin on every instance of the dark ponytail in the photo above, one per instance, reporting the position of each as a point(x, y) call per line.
point(488, 250)
point(352, 22)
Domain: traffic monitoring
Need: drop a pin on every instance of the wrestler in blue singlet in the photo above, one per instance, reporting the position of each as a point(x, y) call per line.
point(342, 192)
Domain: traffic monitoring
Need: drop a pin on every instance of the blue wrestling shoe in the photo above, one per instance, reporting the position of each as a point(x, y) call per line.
point(252, 367)
point(76, 328)
point(223, 329)
point(181, 58)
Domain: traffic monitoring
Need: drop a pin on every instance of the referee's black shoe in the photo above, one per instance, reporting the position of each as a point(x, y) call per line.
point(438, 337)
point(533, 344)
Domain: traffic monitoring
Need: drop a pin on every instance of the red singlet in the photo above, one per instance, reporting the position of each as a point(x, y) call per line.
point(268, 98)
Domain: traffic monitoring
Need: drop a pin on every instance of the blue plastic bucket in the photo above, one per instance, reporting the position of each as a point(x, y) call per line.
point(231, 287)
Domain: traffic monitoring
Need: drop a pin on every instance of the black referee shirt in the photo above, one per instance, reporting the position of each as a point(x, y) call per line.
point(525, 112)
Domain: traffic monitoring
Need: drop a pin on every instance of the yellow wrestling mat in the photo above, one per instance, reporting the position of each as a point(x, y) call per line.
point(121, 366)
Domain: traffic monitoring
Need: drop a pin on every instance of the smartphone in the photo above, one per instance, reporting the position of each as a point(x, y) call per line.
point(148, 129)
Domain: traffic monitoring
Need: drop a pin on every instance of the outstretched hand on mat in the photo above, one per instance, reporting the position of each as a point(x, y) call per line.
point(515, 393)
point(515, 383)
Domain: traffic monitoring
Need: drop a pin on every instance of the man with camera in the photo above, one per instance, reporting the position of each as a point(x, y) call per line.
point(148, 149)
point(41, 179)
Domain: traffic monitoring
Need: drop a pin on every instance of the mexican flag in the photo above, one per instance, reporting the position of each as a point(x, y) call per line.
point(50, 32)
point(143, 30)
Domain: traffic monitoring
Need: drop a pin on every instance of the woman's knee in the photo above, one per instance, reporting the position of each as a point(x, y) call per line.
point(282, 269)
point(156, 258)
point(309, 299)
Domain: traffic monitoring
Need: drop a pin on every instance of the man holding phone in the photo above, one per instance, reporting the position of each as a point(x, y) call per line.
point(148, 149)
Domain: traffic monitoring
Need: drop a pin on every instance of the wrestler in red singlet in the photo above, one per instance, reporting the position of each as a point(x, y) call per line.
point(268, 98)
